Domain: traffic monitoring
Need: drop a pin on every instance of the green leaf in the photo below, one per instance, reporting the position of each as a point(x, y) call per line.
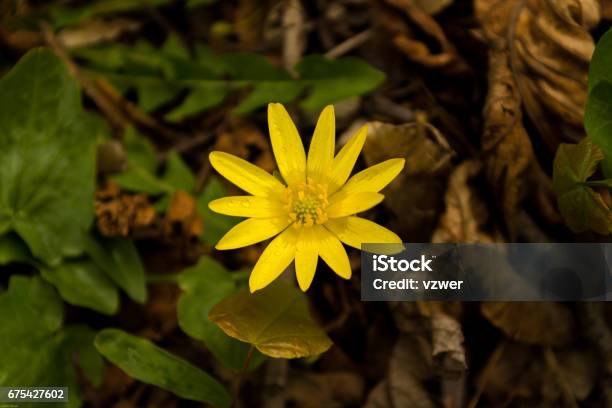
point(334, 80)
point(119, 259)
point(275, 320)
point(200, 99)
point(209, 77)
point(63, 16)
point(146, 362)
point(582, 208)
point(139, 180)
point(82, 283)
point(598, 121)
point(47, 157)
point(601, 61)
point(139, 150)
point(215, 225)
point(13, 249)
point(204, 285)
point(35, 350)
point(178, 174)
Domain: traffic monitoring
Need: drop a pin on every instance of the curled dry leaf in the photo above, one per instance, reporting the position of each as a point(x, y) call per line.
point(550, 47)
point(466, 212)
point(404, 386)
point(541, 323)
point(417, 192)
point(509, 158)
point(119, 213)
point(444, 56)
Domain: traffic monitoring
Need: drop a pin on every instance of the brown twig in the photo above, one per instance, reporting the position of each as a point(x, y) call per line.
point(114, 115)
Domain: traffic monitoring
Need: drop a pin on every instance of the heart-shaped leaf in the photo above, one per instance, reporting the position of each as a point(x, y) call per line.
point(275, 320)
point(581, 207)
point(36, 350)
point(143, 360)
point(47, 157)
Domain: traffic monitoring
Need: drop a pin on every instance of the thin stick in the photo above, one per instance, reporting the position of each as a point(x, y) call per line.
point(349, 44)
point(114, 115)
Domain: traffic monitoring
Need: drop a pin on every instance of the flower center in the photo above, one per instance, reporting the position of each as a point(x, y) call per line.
point(306, 203)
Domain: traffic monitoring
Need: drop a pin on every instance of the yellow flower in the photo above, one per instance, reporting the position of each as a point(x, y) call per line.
point(313, 210)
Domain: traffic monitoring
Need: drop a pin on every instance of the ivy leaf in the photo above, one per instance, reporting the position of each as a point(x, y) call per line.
point(275, 320)
point(215, 225)
point(582, 208)
point(334, 80)
point(146, 362)
point(598, 121)
point(47, 158)
point(35, 348)
point(119, 259)
point(82, 283)
point(204, 285)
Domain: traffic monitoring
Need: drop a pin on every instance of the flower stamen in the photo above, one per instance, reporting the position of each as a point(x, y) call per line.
point(306, 203)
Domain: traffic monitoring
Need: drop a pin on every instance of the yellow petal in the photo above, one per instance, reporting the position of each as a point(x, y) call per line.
point(373, 179)
point(332, 252)
point(306, 257)
point(245, 175)
point(321, 152)
point(273, 260)
point(355, 231)
point(286, 145)
point(344, 162)
point(252, 231)
point(247, 206)
point(341, 205)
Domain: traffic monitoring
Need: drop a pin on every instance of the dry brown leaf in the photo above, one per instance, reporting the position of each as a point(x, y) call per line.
point(541, 323)
point(403, 386)
point(119, 213)
point(245, 140)
point(416, 194)
point(466, 212)
point(440, 336)
point(550, 48)
point(524, 372)
point(416, 49)
point(509, 158)
point(308, 390)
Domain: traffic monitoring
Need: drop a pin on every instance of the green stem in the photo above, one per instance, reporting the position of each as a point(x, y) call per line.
point(598, 183)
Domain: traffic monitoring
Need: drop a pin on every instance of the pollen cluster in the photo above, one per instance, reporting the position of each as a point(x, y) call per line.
point(306, 203)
